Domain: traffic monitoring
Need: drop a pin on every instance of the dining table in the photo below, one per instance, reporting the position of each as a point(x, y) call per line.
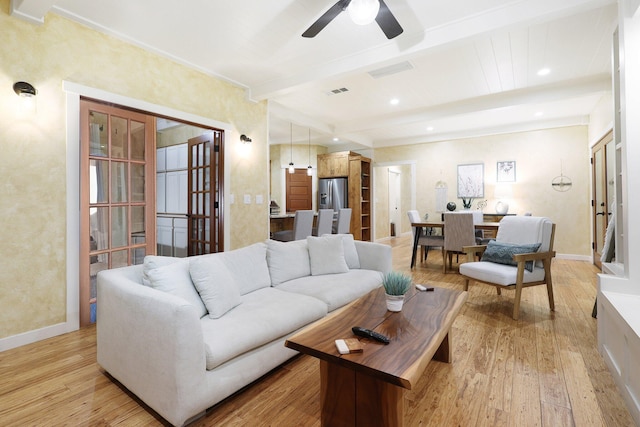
point(420, 226)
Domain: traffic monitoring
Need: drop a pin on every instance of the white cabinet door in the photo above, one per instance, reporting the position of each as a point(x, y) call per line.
point(161, 159)
point(165, 236)
point(176, 192)
point(180, 239)
point(161, 190)
point(177, 157)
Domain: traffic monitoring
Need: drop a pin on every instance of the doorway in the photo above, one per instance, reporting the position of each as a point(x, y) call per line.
point(298, 190)
point(395, 191)
point(118, 193)
point(603, 173)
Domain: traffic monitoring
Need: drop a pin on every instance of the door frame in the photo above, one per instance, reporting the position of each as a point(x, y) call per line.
point(73, 93)
point(596, 210)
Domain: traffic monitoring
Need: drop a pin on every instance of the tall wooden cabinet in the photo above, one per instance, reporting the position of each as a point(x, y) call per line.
point(357, 169)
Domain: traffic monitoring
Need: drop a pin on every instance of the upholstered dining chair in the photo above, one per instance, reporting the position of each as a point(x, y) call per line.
point(324, 222)
point(519, 257)
point(302, 225)
point(425, 241)
point(344, 221)
point(459, 232)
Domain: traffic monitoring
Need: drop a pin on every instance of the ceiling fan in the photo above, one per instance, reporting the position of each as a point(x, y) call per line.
point(361, 12)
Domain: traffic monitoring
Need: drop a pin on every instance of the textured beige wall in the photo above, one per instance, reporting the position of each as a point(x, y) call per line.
point(33, 160)
point(538, 157)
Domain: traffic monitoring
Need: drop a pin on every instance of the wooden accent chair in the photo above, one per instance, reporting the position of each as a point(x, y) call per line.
point(426, 241)
point(519, 257)
point(459, 232)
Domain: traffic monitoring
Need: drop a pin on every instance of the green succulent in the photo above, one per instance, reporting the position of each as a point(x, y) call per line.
point(396, 283)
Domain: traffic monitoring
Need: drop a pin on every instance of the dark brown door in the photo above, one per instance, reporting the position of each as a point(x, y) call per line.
point(298, 185)
point(205, 208)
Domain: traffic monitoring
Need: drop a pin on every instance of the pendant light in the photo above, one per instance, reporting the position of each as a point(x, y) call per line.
point(309, 168)
point(291, 167)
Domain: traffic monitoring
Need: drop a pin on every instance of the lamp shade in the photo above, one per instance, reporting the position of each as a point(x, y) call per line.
point(363, 12)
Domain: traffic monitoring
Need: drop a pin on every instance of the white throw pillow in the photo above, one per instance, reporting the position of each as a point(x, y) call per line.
point(350, 251)
point(154, 261)
point(173, 278)
point(326, 255)
point(287, 260)
point(215, 284)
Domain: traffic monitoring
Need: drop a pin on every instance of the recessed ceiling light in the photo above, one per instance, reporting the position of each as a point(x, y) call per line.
point(336, 139)
point(539, 114)
point(430, 128)
point(394, 101)
point(543, 71)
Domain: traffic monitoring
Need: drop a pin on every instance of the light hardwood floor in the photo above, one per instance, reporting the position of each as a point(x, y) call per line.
point(541, 370)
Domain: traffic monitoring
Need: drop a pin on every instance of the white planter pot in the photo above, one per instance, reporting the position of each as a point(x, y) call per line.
point(394, 302)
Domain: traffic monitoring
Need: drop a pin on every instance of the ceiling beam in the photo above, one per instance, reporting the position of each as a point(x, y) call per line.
point(534, 95)
point(33, 11)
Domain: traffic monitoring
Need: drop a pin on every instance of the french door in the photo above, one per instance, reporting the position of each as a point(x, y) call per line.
point(205, 183)
point(117, 218)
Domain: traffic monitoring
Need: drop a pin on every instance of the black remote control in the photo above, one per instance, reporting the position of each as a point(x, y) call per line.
point(368, 333)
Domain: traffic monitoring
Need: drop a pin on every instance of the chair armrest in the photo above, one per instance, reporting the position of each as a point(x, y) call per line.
point(534, 256)
point(473, 251)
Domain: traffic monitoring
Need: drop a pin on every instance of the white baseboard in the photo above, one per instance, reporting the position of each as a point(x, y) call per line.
point(36, 335)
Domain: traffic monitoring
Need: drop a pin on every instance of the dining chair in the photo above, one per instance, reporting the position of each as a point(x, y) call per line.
point(459, 231)
point(519, 257)
point(426, 241)
point(344, 221)
point(324, 222)
point(302, 225)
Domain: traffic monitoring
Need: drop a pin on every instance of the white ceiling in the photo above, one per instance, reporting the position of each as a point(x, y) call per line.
point(473, 63)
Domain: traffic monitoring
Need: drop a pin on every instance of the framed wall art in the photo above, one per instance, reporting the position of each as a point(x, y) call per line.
point(506, 171)
point(471, 181)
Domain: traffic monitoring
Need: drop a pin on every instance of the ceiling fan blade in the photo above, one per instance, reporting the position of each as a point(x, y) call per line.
point(387, 22)
point(324, 20)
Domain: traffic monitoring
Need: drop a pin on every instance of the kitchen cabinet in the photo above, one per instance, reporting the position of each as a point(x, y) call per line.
point(333, 165)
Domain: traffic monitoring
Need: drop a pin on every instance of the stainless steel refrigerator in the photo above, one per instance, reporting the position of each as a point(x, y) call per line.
point(332, 193)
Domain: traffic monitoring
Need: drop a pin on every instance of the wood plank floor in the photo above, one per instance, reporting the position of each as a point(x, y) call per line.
point(541, 370)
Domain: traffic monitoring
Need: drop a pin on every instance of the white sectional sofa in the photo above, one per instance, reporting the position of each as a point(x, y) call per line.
point(182, 334)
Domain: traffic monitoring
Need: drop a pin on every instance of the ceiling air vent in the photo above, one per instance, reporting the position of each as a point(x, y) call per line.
point(391, 69)
point(337, 91)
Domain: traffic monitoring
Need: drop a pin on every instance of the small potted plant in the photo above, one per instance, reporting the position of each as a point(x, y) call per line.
point(395, 284)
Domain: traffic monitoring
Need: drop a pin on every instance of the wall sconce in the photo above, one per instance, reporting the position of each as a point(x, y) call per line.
point(24, 89)
point(245, 139)
point(27, 94)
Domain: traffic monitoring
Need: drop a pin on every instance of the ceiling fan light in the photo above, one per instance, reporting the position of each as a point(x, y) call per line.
point(363, 12)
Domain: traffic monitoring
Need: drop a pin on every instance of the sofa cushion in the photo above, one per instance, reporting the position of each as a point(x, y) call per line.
point(287, 260)
point(502, 253)
point(215, 284)
point(264, 315)
point(350, 251)
point(326, 255)
point(335, 290)
point(248, 266)
point(171, 275)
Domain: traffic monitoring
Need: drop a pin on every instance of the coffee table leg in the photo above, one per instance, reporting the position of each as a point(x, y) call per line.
point(443, 353)
point(353, 399)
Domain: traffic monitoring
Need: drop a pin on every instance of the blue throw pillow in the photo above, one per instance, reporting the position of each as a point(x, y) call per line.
point(502, 253)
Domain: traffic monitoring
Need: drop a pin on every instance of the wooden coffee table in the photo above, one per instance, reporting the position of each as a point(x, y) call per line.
point(367, 389)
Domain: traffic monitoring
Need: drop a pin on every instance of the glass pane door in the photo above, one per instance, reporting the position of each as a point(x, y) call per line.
point(115, 160)
point(205, 194)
